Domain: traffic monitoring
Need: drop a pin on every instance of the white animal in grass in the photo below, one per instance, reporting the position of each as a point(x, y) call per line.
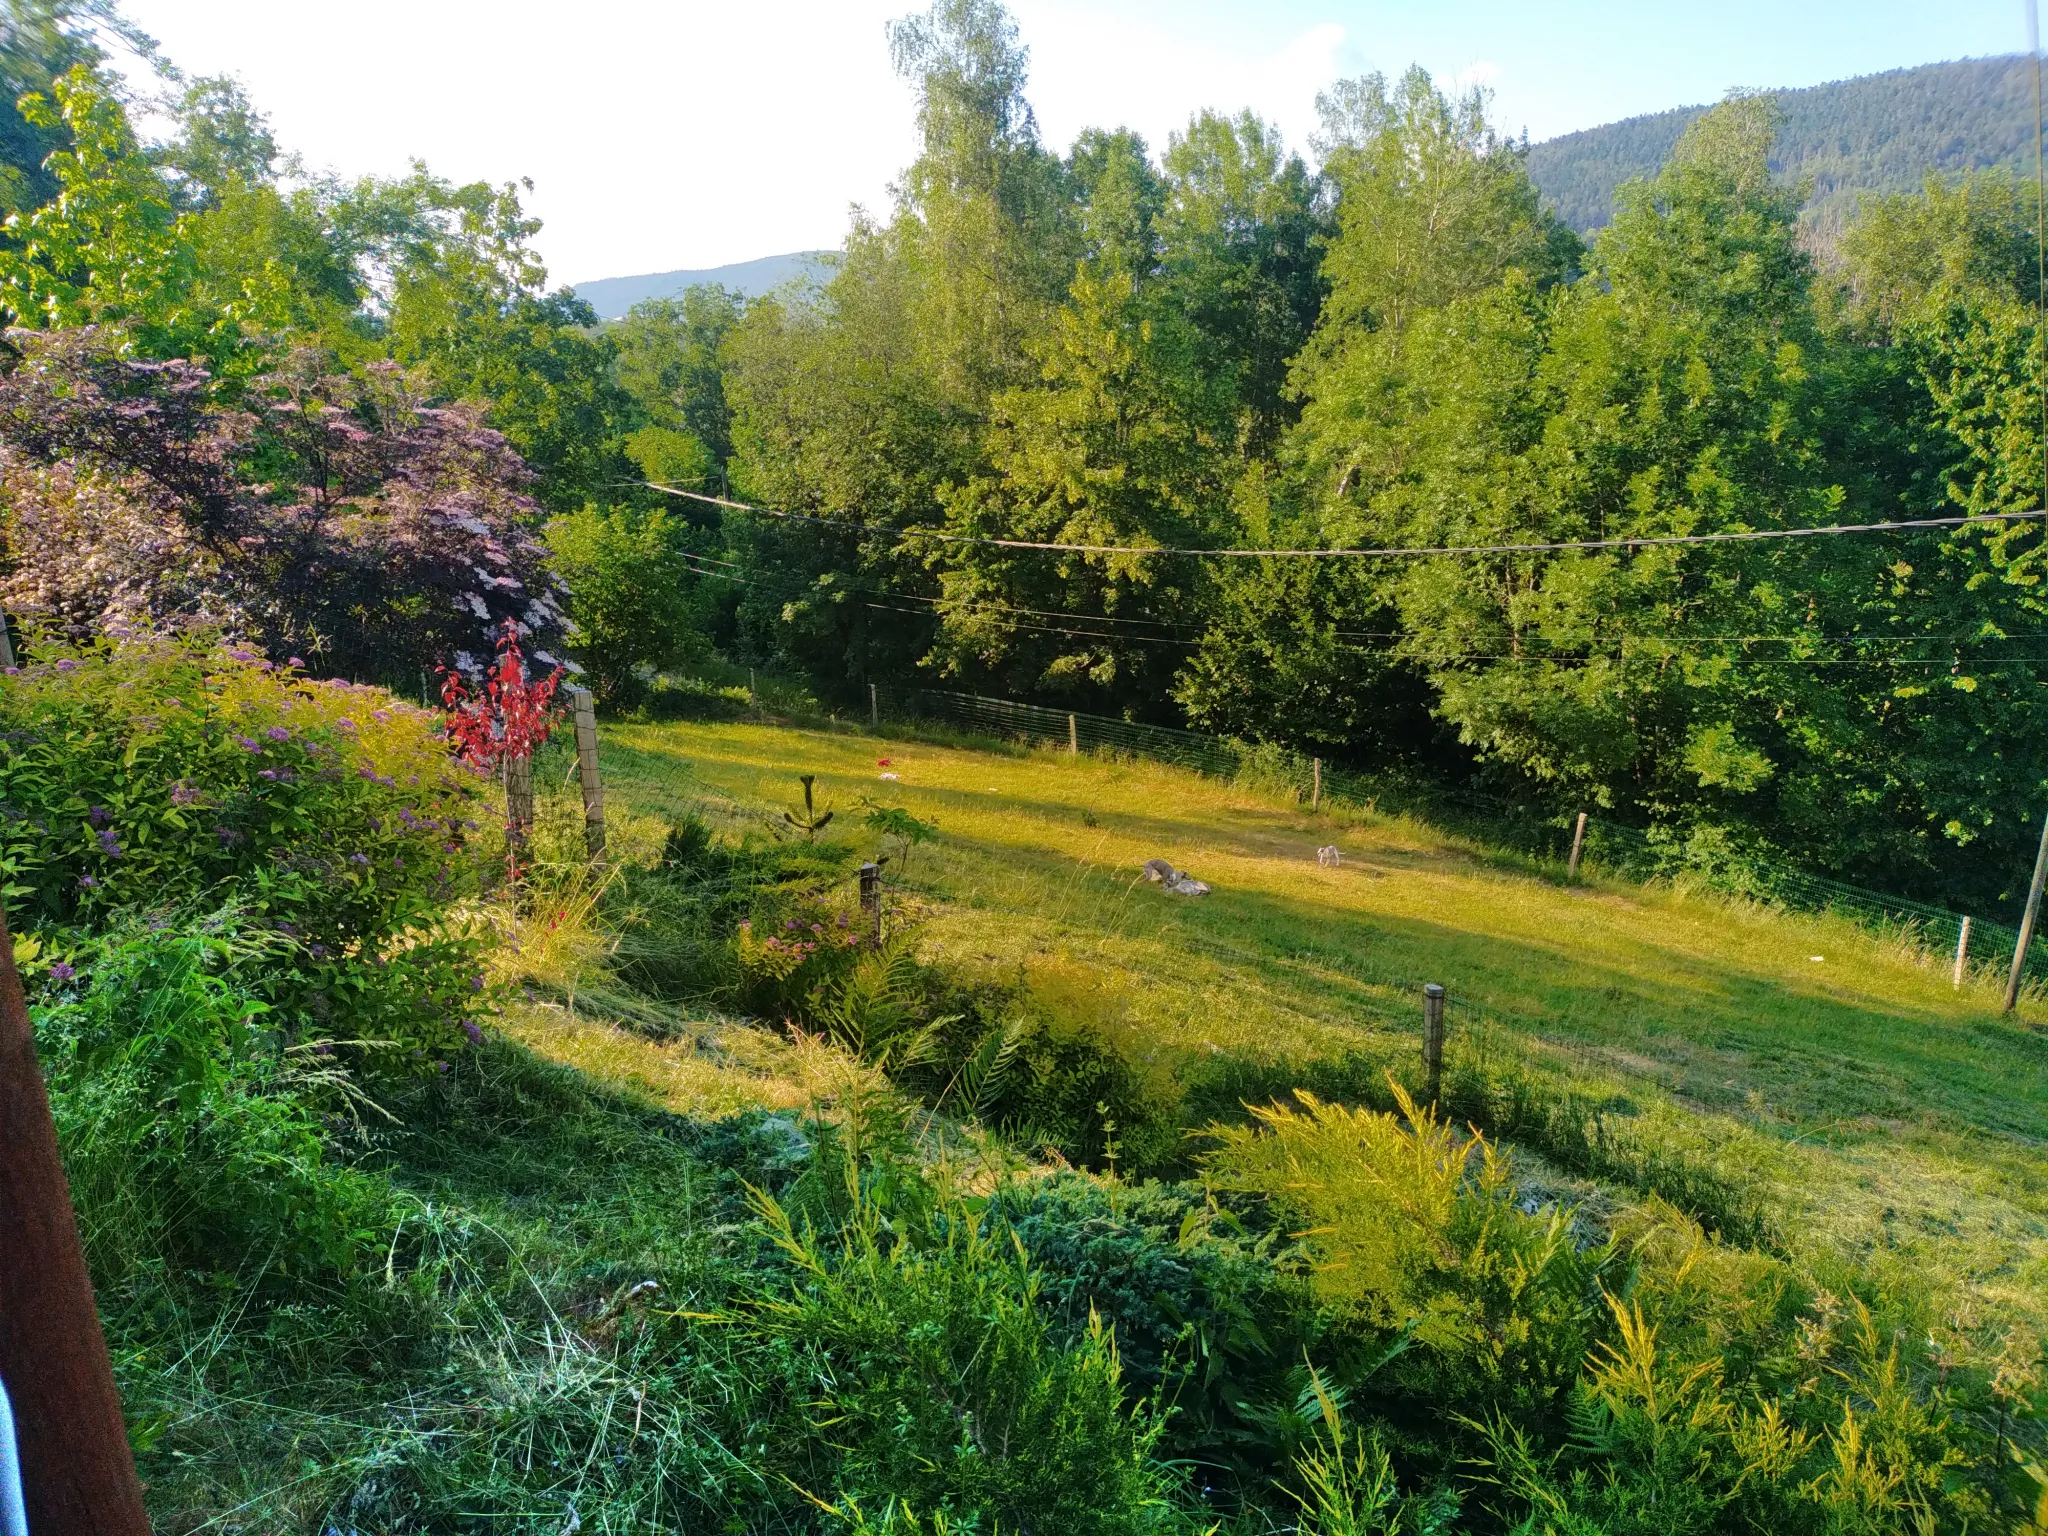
point(1330, 857)
point(1178, 881)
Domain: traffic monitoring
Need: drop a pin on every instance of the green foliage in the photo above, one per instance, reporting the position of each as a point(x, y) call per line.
point(811, 821)
point(633, 595)
point(161, 773)
point(1847, 140)
point(1348, 1482)
point(190, 1118)
point(110, 247)
point(888, 821)
point(45, 40)
point(938, 1368)
point(670, 360)
point(1450, 1292)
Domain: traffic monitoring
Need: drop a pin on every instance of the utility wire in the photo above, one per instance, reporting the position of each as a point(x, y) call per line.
point(1007, 617)
point(1391, 552)
point(1010, 618)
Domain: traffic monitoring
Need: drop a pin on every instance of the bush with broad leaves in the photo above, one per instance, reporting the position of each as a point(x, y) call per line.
point(334, 514)
point(158, 774)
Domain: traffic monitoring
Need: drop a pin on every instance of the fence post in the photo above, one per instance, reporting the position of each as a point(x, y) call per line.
point(518, 810)
point(1962, 950)
point(1571, 870)
point(753, 698)
point(874, 708)
point(1073, 736)
point(2019, 950)
point(1315, 790)
point(1433, 1042)
point(6, 645)
point(586, 769)
point(871, 902)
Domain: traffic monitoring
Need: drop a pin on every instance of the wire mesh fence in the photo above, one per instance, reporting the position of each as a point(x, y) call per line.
point(1608, 846)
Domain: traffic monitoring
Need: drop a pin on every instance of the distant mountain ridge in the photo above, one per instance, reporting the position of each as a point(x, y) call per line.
point(1875, 133)
point(611, 297)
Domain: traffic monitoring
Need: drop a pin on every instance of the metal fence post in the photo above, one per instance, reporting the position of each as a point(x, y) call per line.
point(1962, 950)
point(1433, 1042)
point(871, 902)
point(586, 768)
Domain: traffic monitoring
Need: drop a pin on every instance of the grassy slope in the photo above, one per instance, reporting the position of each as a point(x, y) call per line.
point(1887, 1110)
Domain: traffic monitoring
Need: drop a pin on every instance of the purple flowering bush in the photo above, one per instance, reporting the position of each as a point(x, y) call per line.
point(167, 774)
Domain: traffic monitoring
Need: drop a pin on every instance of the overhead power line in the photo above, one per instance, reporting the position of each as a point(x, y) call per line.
point(1646, 541)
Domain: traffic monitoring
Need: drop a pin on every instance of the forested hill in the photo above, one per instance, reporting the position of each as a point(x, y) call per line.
point(611, 297)
point(1876, 133)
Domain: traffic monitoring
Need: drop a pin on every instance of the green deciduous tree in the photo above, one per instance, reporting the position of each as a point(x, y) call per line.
point(669, 359)
point(635, 599)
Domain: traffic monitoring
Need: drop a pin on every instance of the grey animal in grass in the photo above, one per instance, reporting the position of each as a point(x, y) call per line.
point(1177, 881)
point(1330, 857)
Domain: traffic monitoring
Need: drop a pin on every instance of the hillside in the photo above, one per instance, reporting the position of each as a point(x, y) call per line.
point(1882, 133)
point(611, 297)
point(1835, 1077)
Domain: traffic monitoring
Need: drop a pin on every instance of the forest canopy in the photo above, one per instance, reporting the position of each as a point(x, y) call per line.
point(352, 420)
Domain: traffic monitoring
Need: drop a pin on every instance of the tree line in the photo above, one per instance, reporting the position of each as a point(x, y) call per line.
point(352, 419)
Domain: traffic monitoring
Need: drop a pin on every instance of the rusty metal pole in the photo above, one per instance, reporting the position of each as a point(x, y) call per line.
point(78, 1477)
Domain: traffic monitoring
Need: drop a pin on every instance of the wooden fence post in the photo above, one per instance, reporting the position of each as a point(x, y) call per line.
point(2019, 950)
point(1571, 870)
point(1962, 950)
point(1073, 736)
point(6, 645)
point(874, 708)
point(586, 770)
point(76, 1470)
point(871, 902)
point(1433, 1041)
point(1315, 792)
point(518, 810)
point(753, 698)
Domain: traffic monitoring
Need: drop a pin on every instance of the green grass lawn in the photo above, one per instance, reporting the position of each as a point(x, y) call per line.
point(1886, 1111)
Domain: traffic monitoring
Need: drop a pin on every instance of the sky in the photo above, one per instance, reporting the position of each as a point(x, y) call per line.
point(666, 134)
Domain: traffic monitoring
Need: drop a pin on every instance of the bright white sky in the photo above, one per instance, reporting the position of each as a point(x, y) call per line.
point(665, 134)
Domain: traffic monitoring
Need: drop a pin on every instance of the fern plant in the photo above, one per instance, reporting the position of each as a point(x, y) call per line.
point(872, 1010)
